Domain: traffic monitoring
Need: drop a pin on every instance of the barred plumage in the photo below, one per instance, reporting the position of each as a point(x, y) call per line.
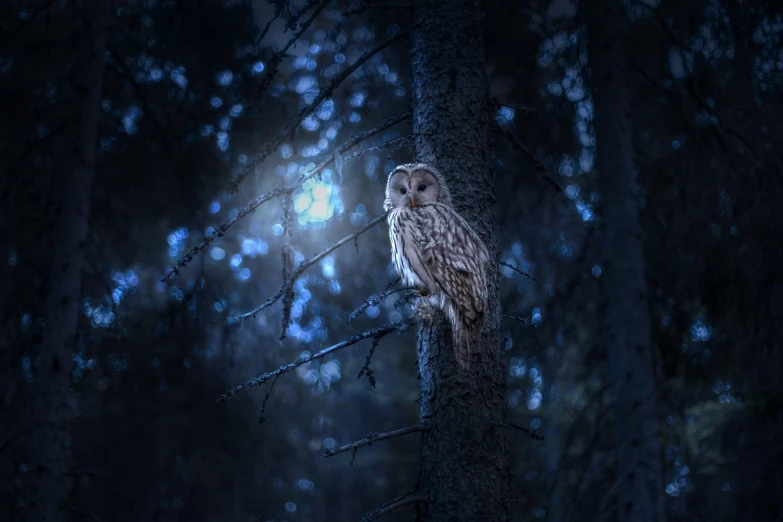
point(435, 249)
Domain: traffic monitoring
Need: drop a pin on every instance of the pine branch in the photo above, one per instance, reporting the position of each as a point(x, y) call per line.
point(370, 438)
point(280, 191)
point(305, 112)
point(403, 500)
point(304, 266)
point(261, 379)
point(517, 270)
point(542, 169)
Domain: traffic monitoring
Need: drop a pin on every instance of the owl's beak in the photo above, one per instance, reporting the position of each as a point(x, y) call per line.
point(413, 201)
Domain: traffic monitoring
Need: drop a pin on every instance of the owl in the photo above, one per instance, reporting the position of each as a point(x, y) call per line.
point(435, 250)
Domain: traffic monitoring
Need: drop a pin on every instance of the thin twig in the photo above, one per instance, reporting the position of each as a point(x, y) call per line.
point(221, 230)
point(370, 438)
point(517, 270)
point(291, 24)
point(265, 30)
point(373, 300)
point(261, 379)
point(365, 369)
point(276, 59)
point(391, 505)
point(304, 265)
point(517, 318)
point(280, 191)
point(262, 417)
point(377, 148)
point(532, 433)
point(306, 111)
point(542, 169)
point(30, 17)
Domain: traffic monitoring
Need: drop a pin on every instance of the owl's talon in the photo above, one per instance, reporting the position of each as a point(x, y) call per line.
point(425, 312)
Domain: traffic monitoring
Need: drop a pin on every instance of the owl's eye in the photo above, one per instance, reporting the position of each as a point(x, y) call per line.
point(422, 187)
point(403, 190)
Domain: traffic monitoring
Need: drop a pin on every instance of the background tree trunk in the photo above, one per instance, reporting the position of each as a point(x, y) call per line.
point(464, 461)
point(69, 203)
point(639, 480)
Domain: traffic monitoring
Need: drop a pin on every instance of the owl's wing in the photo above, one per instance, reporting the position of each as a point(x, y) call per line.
point(456, 257)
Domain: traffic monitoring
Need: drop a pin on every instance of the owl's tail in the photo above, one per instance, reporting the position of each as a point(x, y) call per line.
point(462, 337)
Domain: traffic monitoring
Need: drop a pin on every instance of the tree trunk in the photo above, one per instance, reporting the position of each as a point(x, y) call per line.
point(465, 458)
point(69, 202)
point(639, 480)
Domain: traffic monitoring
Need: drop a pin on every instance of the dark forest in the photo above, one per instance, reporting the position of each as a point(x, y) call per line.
point(201, 319)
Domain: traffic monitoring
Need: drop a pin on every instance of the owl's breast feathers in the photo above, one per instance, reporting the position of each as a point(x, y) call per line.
point(434, 246)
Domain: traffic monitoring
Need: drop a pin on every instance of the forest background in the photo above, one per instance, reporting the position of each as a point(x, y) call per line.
point(143, 147)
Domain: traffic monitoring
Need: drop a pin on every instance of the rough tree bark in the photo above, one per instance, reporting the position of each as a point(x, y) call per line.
point(69, 202)
point(639, 480)
point(464, 457)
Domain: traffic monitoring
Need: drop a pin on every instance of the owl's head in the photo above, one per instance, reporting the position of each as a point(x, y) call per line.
point(414, 184)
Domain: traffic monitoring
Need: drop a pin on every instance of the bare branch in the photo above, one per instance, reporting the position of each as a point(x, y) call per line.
point(291, 23)
point(280, 191)
point(365, 369)
point(517, 270)
point(261, 379)
point(370, 438)
point(543, 171)
point(382, 126)
point(376, 299)
point(268, 25)
point(262, 417)
point(532, 433)
point(304, 266)
point(377, 148)
point(276, 59)
point(30, 18)
point(517, 318)
point(305, 112)
point(403, 500)
point(221, 230)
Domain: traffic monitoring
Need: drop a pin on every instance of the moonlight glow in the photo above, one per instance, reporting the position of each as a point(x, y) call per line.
point(313, 203)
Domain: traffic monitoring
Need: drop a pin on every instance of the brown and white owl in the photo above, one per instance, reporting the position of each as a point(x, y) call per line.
point(436, 250)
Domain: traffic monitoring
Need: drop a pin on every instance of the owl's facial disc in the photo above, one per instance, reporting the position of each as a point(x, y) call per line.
point(423, 187)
